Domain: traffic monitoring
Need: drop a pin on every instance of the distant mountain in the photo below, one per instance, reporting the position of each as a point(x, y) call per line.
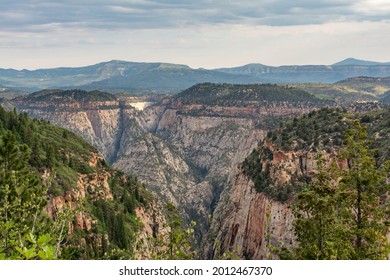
point(287, 74)
point(168, 78)
point(135, 77)
point(11, 93)
point(119, 75)
point(357, 62)
point(254, 69)
point(312, 73)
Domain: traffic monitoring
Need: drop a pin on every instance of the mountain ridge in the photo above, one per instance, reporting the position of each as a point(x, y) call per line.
point(158, 77)
point(358, 62)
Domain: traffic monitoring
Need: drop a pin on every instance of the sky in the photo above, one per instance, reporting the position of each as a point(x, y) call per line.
point(199, 33)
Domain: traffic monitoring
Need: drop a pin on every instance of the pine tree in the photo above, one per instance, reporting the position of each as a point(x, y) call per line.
point(342, 214)
point(367, 187)
point(319, 217)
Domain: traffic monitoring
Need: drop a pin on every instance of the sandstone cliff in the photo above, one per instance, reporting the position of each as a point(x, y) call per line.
point(248, 223)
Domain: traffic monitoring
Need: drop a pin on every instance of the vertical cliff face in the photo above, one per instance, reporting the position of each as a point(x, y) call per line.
point(182, 156)
point(189, 153)
point(97, 122)
point(249, 223)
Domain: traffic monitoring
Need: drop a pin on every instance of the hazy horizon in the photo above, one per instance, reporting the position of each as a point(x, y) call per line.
point(167, 62)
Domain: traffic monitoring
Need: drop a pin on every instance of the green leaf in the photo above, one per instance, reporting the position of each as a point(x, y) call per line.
point(30, 253)
point(47, 253)
point(44, 239)
point(31, 238)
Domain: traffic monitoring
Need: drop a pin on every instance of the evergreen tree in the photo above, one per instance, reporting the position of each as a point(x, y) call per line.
point(366, 185)
point(342, 214)
point(319, 217)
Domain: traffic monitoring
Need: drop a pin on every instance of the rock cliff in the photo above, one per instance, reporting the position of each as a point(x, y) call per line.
point(97, 122)
point(248, 223)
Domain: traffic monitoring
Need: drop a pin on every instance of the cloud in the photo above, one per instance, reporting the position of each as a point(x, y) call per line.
point(372, 9)
point(145, 14)
point(202, 33)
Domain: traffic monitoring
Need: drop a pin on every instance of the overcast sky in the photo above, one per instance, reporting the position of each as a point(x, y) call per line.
point(199, 33)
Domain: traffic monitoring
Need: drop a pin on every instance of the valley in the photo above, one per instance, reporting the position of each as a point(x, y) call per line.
point(185, 148)
point(216, 151)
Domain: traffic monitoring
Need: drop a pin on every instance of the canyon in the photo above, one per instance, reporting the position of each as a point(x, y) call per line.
point(187, 153)
point(188, 150)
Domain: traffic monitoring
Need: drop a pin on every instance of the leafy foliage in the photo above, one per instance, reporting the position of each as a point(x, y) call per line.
point(320, 214)
point(378, 128)
point(22, 198)
point(51, 148)
point(366, 185)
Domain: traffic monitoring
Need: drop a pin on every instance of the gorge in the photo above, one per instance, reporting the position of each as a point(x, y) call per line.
point(188, 149)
